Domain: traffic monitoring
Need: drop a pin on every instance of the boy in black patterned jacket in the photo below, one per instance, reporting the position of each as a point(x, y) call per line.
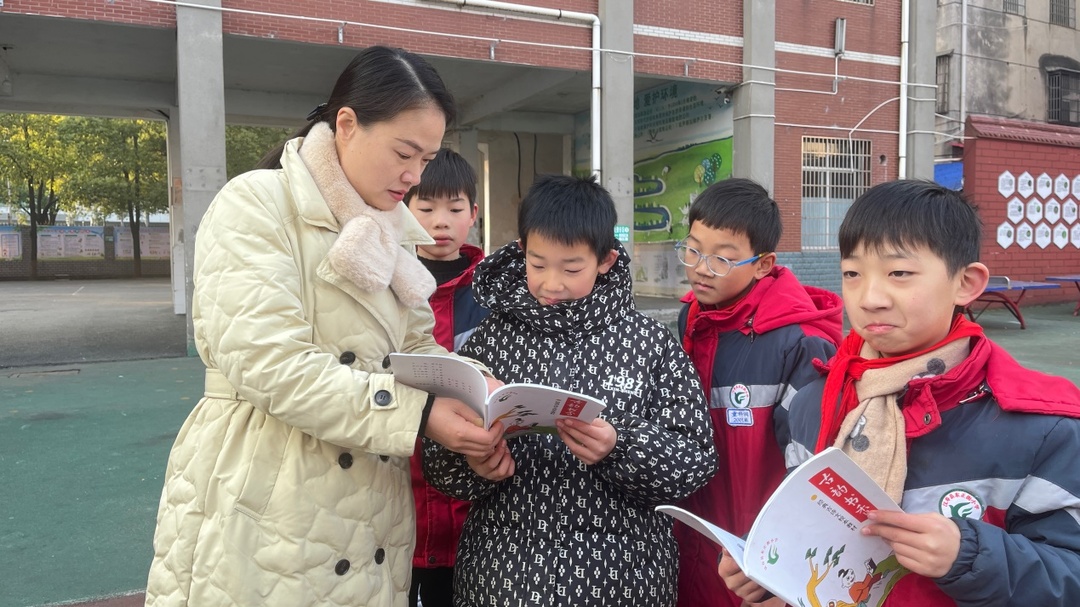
point(568, 519)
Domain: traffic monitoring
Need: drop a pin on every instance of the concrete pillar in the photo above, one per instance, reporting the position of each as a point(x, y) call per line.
point(617, 111)
point(178, 275)
point(922, 54)
point(754, 108)
point(200, 94)
point(469, 148)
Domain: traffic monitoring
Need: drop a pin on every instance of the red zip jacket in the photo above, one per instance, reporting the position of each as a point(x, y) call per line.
point(439, 518)
point(753, 357)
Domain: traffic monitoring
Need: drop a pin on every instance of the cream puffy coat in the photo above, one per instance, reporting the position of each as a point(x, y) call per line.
point(289, 482)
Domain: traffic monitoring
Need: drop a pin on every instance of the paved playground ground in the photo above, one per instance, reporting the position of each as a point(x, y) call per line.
point(83, 444)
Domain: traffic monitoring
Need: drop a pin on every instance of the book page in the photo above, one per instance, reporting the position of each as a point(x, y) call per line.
point(805, 545)
point(733, 544)
point(442, 376)
point(524, 408)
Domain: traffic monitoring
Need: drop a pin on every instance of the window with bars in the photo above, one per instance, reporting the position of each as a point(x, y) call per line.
point(1015, 7)
point(1063, 97)
point(943, 63)
point(1063, 12)
point(834, 173)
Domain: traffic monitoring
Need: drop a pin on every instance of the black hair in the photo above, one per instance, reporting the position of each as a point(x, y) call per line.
point(742, 206)
point(912, 213)
point(448, 174)
point(378, 84)
point(569, 210)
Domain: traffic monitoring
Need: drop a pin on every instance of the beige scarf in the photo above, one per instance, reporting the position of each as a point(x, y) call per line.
point(873, 434)
point(368, 250)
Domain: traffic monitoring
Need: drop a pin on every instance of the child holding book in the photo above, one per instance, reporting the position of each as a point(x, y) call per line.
point(567, 518)
point(753, 332)
point(979, 451)
point(445, 205)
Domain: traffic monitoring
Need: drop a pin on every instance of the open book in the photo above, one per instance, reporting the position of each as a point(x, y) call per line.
point(805, 546)
point(521, 407)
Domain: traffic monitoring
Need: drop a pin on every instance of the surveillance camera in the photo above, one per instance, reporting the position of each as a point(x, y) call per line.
point(725, 99)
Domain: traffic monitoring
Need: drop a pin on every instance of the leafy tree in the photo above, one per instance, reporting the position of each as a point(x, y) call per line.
point(35, 159)
point(246, 145)
point(122, 170)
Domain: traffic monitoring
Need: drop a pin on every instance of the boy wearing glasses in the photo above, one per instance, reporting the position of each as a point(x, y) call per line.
point(753, 333)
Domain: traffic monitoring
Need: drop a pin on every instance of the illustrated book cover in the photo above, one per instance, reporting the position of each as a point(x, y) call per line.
point(805, 546)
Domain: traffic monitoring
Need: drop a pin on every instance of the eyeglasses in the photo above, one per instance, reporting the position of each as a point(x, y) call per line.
point(719, 266)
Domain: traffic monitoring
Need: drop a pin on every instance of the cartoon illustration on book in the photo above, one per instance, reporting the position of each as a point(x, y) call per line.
point(806, 546)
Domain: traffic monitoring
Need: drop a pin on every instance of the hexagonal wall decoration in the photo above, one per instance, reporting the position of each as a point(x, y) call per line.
point(1024, 235)
point(1034, 212)
point(1074, 236)
point(1043, 235)
point(1061, 236)
point(1015, 210)
point(1044, 185)
point(1025, 185)
point(1006, 235)
point(1068, 211)
point(1061, 186)
point(1052, 211)
point(1006, 184)
point(1076, 187)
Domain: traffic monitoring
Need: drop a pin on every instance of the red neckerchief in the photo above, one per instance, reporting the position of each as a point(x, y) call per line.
point(847, 367)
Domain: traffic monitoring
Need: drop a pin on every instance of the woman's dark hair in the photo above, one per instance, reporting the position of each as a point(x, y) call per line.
point(378, 84)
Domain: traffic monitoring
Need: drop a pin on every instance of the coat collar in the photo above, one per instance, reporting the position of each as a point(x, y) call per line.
point(500, 285)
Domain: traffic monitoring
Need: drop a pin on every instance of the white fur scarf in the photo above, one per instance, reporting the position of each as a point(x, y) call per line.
point(368, 251)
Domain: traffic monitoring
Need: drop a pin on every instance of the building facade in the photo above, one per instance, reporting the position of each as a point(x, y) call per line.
point(816, 100)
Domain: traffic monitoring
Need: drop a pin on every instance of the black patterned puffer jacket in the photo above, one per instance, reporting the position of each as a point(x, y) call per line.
point(560, 532)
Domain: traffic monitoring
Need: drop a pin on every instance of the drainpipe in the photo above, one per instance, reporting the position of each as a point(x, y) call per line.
point(905, 35)
point(963, 64)
point(594, 108)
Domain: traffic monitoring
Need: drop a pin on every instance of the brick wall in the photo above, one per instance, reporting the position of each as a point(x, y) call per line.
point(985, 159)
point(110, 267)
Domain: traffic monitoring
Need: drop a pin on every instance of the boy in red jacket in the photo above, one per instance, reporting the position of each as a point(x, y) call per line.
point(445, 204)
point(979, 452)
point(753, 332)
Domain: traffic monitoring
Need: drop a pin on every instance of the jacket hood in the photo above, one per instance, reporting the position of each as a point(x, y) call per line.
point(500, 285)
point(779, 300)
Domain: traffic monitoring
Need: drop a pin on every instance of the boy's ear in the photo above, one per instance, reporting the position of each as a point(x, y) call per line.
point(607, 262)
point(973, 279)
point(765, 265)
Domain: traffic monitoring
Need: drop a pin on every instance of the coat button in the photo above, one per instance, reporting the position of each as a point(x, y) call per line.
point(927, 419)
point(386, 362)
point(431, 560)
point(384, 458)
point(347, 358)
point(383, 398)
point(342, 567)
point(380, 556)
point(345, 460)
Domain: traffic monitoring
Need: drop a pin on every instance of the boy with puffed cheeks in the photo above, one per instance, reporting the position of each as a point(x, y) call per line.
point(753, 332)
point(444, 203)
point(979, 452)
point(568, 518)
